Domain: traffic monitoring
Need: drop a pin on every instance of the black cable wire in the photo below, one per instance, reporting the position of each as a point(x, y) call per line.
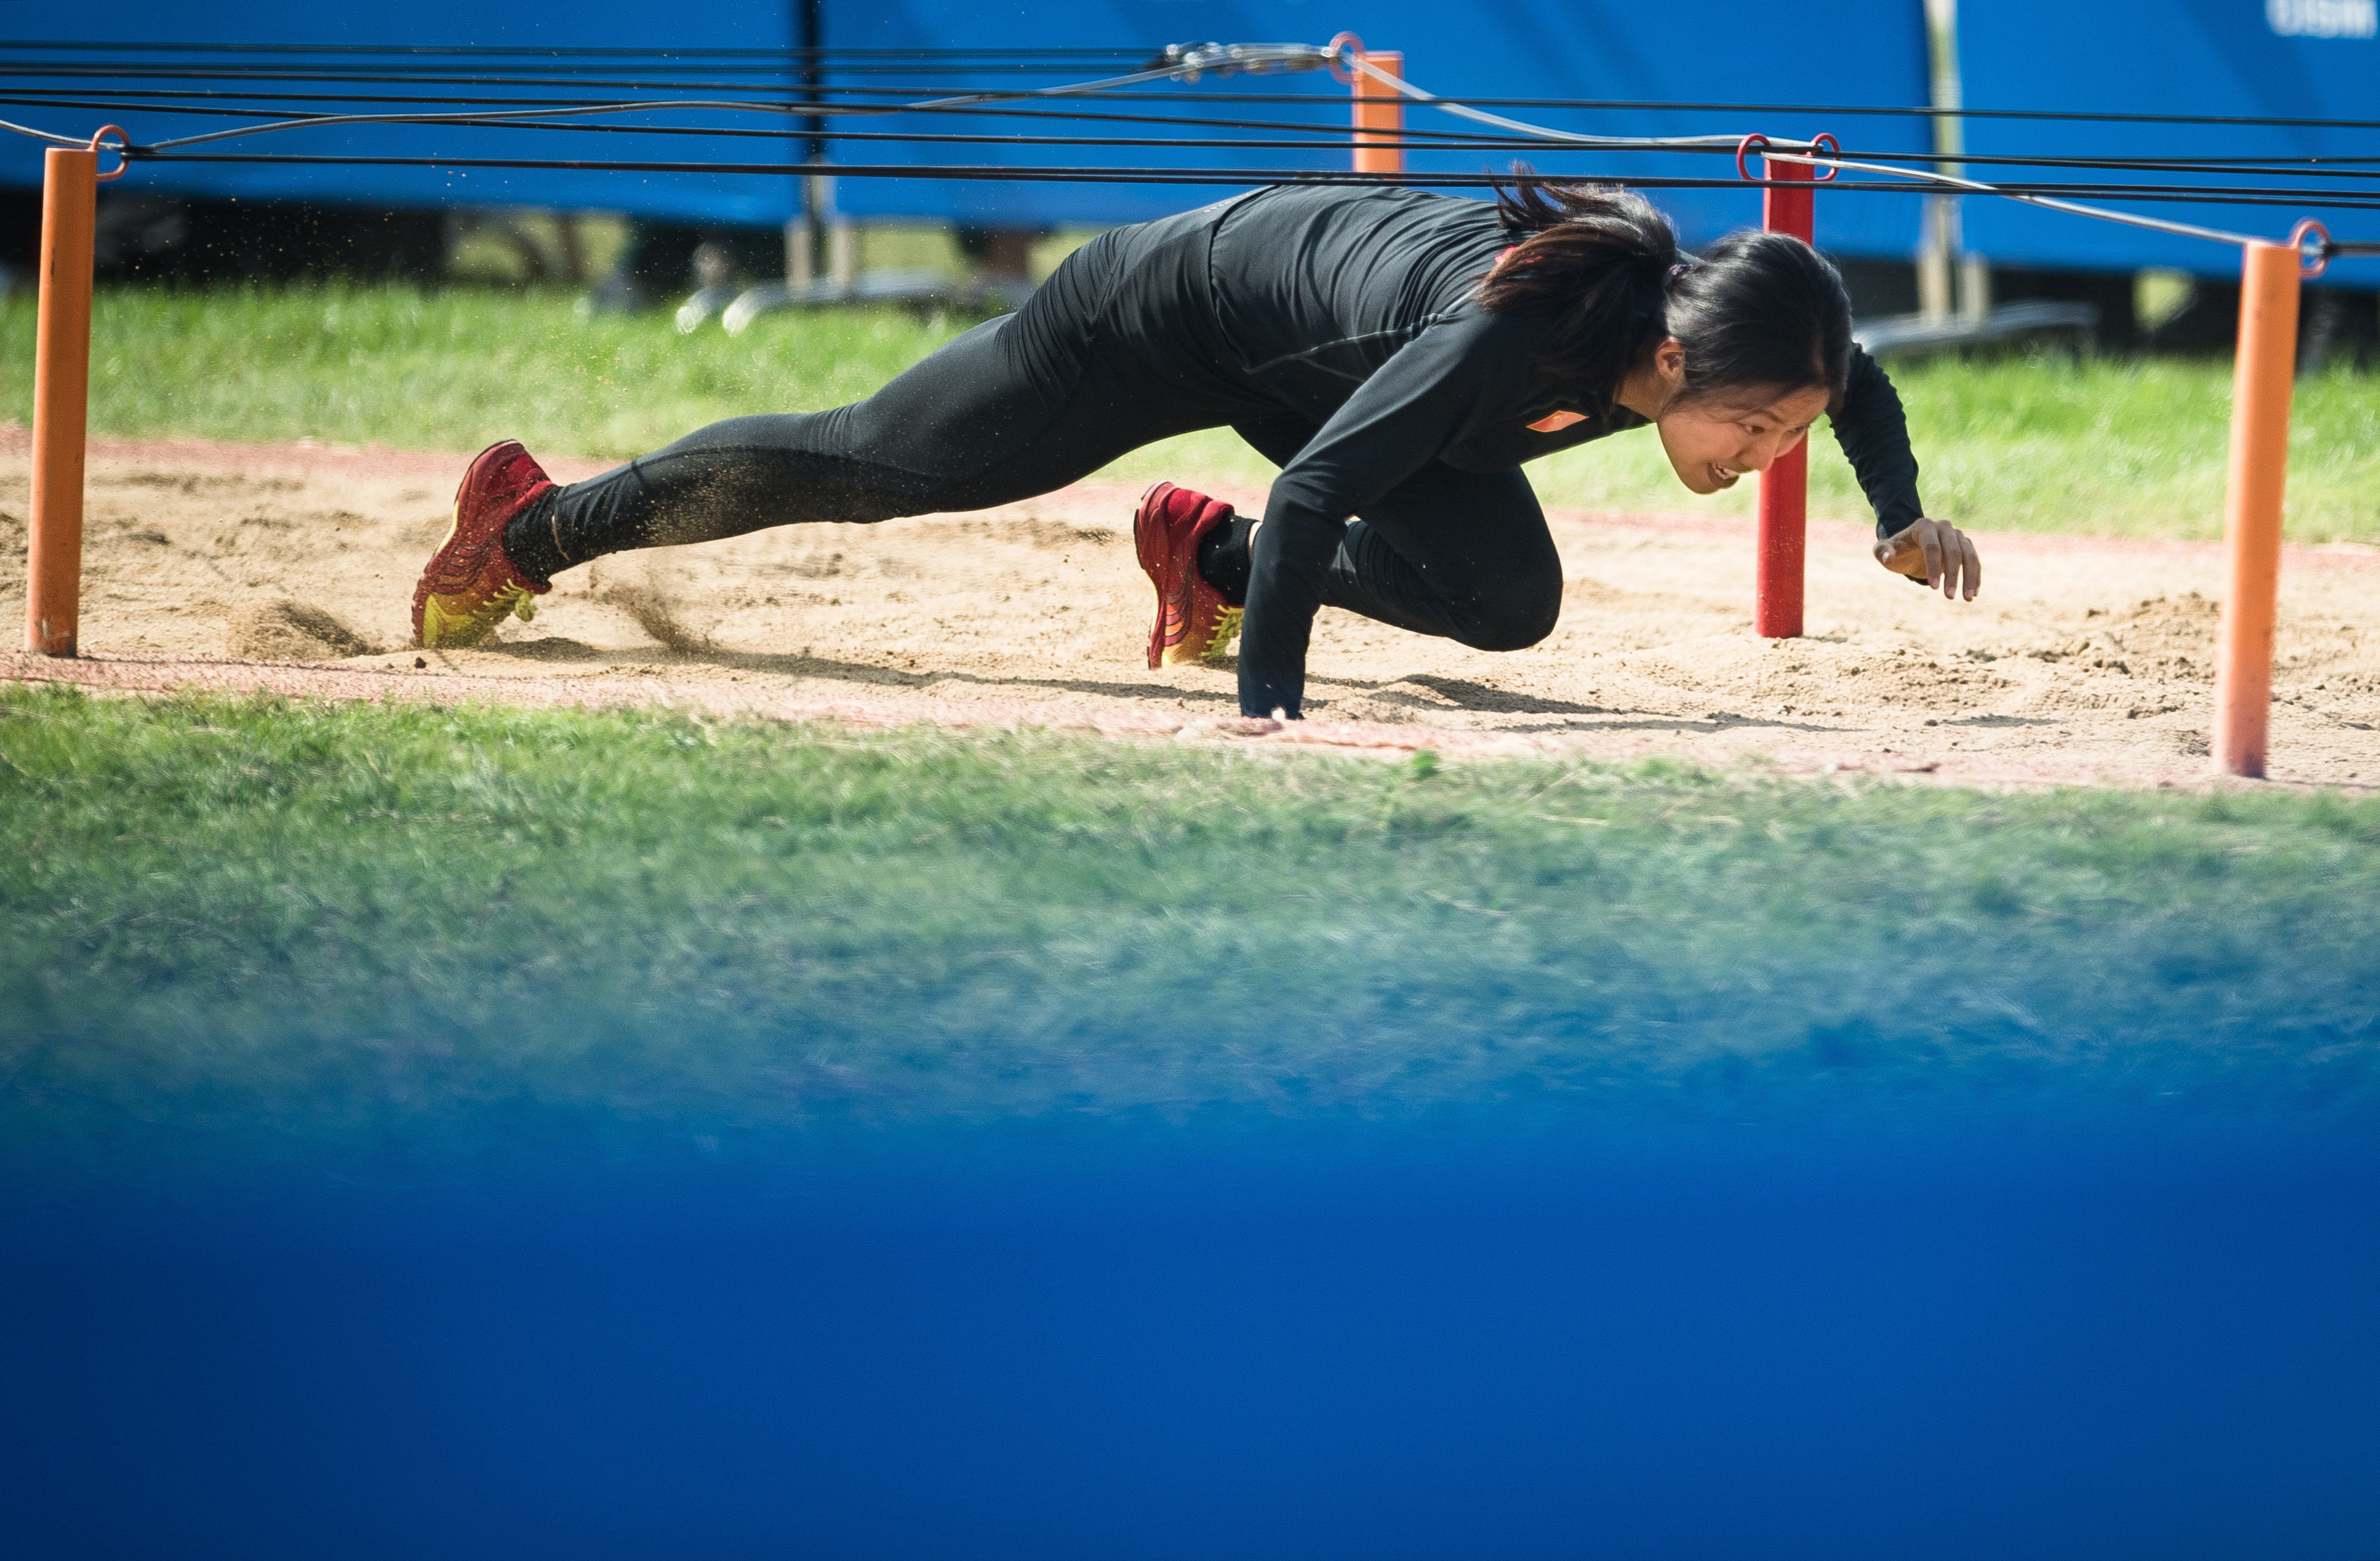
point(708, 75)
point(1333, 140)
point(2245, 195)
point(705, 81)
point(1056, 109)
point(830, 108)
point(1421, 137)
point(566, 51)
point(1812, 111)
point(282, 107)
point(1044, 107)
point(1172, 70)
point(1236, 56)
point(1072, 58)
point(779, 63)
point(1247, 177)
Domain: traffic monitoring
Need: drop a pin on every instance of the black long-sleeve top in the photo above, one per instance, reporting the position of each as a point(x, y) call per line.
point(1355, 311)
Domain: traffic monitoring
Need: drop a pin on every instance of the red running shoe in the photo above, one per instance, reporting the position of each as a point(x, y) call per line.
point(1193, 619)
point(470, 583)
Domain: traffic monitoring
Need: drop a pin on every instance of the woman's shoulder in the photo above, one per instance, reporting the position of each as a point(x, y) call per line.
point(1417, 251)
point(1387, 208)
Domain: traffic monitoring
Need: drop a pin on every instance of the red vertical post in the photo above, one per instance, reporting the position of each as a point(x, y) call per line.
point(1785, 486)
point(2262, 380)
point(1380, 111)
point(61, 402)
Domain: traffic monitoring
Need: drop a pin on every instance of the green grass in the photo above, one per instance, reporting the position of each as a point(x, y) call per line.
point(2133, 449)
point(2100, 447)
point(324, 917)
point(437, 370)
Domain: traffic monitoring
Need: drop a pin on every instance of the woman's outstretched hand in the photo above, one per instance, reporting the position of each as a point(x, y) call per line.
point(1935, 553)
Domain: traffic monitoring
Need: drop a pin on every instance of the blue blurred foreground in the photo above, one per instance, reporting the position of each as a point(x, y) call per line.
point(1893, 1326)
point(492, 1132)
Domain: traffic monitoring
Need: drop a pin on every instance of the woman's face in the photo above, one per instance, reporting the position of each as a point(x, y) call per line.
point(1714, 441)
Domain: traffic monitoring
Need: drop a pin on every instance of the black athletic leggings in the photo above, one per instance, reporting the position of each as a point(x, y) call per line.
point(1026, 403)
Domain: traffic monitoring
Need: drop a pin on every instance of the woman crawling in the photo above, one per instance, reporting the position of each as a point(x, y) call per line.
point(1399, 355)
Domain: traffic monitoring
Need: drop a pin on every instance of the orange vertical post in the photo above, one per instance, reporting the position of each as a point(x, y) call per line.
point(1379, 110)
point(61, 401)
point(2260, 382)
point(1785, 487)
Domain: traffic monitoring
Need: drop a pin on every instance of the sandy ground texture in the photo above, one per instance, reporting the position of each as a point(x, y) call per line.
point(290, 568)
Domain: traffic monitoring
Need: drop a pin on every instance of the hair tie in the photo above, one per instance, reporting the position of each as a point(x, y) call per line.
point(1678, 270)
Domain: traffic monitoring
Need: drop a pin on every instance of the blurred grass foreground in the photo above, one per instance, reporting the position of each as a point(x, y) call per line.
point(2088, 445)
point(324, 921)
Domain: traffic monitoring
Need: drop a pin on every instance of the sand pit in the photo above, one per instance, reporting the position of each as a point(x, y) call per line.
point(290, 568)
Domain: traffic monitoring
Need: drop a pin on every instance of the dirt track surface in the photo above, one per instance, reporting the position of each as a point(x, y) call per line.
point(290, 568)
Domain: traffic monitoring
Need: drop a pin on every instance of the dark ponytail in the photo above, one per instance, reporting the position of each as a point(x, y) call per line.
point(1759, 312)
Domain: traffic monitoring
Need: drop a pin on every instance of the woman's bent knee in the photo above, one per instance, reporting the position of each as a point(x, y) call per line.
point(1517, 626)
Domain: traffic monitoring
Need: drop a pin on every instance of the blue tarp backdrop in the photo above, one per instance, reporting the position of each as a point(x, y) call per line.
point(1599, 49)
point(2189, 57)
point(2200, 56)
point(1593, 49)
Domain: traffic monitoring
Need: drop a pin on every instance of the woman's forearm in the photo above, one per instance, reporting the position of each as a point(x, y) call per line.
point(1874, 432)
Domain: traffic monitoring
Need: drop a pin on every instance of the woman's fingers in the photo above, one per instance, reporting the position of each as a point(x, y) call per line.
point(1921, 553)
point(1937, 554)
point(1963, 571)
point(1974, 564)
